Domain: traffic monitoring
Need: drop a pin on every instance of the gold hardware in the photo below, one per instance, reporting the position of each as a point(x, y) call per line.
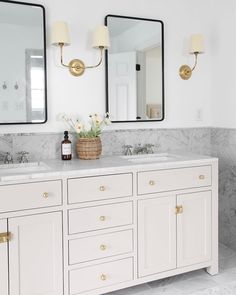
point(179, 209)
point(102, 218)
point(152, 182)
point(5, 237)
point(45, 195)
point(76, 67)
point(103, 247)
point(201, 177)
point(102, 188)
point(185, 72)
point(103, 277)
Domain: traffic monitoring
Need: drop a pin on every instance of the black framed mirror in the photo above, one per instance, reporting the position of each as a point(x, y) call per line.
point(135, 69)
point(23, 81)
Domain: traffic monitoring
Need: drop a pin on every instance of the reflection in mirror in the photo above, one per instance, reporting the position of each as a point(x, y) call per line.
point(134, 69)
point(23, 63)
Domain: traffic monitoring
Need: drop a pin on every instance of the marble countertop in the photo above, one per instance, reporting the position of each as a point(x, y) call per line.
point(111, 164)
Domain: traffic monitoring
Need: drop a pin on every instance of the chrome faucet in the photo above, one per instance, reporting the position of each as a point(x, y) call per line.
point(6, 158)
point(23, 157)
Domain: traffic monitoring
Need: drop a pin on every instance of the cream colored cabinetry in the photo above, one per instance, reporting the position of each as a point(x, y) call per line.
point(3, 257)
point(173, 224)
point(95, 233)
point(31, 252)
point(101, 236)
point(156, 235)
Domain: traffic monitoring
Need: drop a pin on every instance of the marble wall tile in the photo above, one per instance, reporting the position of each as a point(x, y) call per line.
point(223, 146)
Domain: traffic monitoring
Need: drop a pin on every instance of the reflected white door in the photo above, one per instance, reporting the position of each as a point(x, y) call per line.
point(194, 228)
point(122, 86)
point(156, 235)
point(3, 260)
point(35, 255)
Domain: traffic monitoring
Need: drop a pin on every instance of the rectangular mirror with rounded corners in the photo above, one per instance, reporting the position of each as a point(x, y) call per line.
point(135, 69)
point(23, 88)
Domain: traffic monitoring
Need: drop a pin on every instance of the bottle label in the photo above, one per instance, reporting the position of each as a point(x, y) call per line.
point(66, 149)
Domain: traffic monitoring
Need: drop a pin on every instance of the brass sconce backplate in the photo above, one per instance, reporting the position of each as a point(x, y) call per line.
point(185, 72)
point(76, 67)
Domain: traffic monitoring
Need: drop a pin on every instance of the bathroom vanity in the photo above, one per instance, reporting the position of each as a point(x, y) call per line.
point(92, 227)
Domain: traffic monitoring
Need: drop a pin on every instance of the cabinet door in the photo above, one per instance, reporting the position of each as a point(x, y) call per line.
point(156, 235)
point(194, 228)
point(3, 260)
point(35, 255)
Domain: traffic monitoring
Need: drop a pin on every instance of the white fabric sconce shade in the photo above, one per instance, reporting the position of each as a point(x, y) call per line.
point(60, 33)
point(101, 37)
point(196, 44)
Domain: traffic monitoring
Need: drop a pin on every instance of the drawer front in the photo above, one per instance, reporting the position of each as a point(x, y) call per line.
point(30, 195)
point(99, 276)
point(101, 246)
point(99, 188)
point(100, 217)
point(173, 179)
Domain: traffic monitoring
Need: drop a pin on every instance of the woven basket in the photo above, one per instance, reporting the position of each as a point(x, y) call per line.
point(89, 148)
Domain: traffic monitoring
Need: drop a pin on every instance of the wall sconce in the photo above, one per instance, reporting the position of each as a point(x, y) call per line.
point(60, 37)
point(196, 47)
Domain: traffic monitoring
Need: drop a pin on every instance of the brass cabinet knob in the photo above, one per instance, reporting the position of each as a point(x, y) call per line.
point(5, 237)
point(201, 177)
point(102, 218)
point(152, 182)
point(179, 209)
point(45, 195)
point(103, 277)
point(102, 188)
point(103, 247)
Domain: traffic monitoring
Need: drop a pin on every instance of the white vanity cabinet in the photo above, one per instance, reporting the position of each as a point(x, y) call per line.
point(173, 232)
point(105, 228)
point(31, 245)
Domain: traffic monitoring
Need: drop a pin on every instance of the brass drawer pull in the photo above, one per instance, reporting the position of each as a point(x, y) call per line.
point(45, 195)
point(201, 177)
point(103, 277)
point(102, 218)
point(152, 182)
point(102, 188)
point(5, 237)
point(103, 247)
point(179, 209)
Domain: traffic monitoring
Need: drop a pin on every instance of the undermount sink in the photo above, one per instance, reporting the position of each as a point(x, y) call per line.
point(23, 168)
point(149, 158)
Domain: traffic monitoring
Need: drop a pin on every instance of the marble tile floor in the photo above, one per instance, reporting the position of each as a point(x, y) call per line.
point(193, 283)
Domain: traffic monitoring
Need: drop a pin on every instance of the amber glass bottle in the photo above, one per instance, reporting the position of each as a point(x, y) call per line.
point(66, 147)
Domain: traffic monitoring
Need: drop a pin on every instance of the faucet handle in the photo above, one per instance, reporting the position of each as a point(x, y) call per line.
point(127, 149)
point(7, 157)
point(23, 157)
point(149, 148)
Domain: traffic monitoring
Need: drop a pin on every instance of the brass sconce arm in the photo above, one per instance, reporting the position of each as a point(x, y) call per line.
point(77, 66)
point(185, 71)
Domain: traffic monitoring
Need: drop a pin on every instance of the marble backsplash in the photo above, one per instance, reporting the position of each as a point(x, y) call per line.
point(43, 146)
point(218, 142)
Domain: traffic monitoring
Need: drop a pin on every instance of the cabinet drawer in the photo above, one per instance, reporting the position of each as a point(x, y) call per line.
point(102, 275)
point(100, 217)
point(173, 179)
point(30, 195)
point(99, 188)
point(100, 246)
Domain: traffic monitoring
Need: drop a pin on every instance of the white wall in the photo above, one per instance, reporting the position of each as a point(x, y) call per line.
point(86, 94)
point(223, 40)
